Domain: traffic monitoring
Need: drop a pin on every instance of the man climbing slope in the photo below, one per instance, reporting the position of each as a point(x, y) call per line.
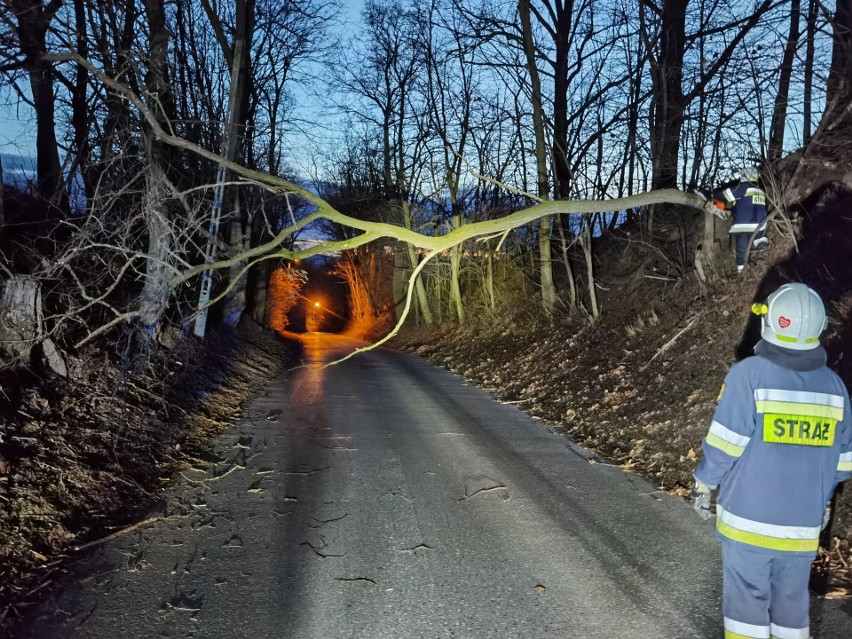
point(747, 205)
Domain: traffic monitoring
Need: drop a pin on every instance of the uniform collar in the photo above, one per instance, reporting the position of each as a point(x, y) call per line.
point(794, 360)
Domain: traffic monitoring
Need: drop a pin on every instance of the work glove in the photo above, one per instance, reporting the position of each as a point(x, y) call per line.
point(700, 497)
point(826, 516)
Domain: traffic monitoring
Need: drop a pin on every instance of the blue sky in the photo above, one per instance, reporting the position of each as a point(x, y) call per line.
point(17, 121)
point(17, 125)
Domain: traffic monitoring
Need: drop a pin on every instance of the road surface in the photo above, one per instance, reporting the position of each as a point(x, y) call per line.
point(385, 498)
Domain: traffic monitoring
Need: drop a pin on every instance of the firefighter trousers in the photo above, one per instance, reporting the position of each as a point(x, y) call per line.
point(765, 595)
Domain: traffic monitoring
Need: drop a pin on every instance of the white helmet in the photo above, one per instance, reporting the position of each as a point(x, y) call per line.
point(793, 317)
point(749, 173)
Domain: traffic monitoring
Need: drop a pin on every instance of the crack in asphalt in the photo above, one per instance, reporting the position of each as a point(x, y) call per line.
point(323, 522)
point(318, 551)
point(356, 579)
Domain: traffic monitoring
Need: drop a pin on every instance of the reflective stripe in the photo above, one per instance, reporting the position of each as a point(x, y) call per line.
point(770, 536)
point(729, 196)
point(742, 228)
point(726, 440)
point(780, 632)
point(804, 410)
point(804, 403)
point(734, 628)
point(845, 462)
point(771, 530)
point(803, 397)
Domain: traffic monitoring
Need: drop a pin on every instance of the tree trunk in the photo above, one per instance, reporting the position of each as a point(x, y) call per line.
point(400, 271)
point(80, 113)
point(838, 90)
point(159, 92)
point(238, 228)
point(587, 251)
point(548, 289)
point(2, 217)
point(667, 110)
point(810, 51)
point(22, 326)
point(455, 268)
point(33, 22)
point(413, 260)
point(779, 113)
point(561, 166)
point(422, 299)
point(566, 261)
point(20, 319)
point(239, 240)
point(158, 286)
point(489, 282)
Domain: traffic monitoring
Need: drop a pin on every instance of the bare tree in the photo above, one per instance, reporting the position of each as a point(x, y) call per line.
point(779, 113)
point(233, 210)
point(838, 112)
point(667, 47)
point(810, 48)
point(548, 288)
point(32, 21)
point(384, 79)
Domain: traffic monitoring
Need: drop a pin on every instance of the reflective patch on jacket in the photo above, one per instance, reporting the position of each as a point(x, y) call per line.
point(844, 465)
point(758, 197)
point(770, 536)
point(798, 429)
point(726, 440)
point(798, 417)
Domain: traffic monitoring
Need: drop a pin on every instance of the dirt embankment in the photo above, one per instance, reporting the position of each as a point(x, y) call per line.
point(84, 457)
point(640, 385)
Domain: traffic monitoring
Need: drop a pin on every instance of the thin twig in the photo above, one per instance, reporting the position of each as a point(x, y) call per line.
point(666, 346)
point(117, 533)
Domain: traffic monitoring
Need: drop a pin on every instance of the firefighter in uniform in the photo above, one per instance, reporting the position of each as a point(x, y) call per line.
point(779, 443)
point(746, 204)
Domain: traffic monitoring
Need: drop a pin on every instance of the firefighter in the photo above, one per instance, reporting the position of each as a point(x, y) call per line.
point(745, 203)
point(779, 443)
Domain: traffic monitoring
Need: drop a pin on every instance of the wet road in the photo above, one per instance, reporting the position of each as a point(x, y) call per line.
point(384, 497)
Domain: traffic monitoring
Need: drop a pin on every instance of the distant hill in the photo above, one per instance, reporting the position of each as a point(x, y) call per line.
point(18, 170)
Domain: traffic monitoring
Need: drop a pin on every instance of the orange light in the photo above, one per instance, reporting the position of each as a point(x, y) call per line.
point(316, 304)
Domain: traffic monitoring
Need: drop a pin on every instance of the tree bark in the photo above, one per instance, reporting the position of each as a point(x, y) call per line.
point(561, 166)
point(668, 103)
point(33, 22)
point(779, 113)
point(20, 320)
point(590, 270)
point(158, 285)
point(80, 112)
point(2, 217)
point(838, 93)
point(548, 288)
point(810, 51)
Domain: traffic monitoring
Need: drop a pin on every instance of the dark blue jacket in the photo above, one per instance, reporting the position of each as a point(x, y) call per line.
point(747, 201)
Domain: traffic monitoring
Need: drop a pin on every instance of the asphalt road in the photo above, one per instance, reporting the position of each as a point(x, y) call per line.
point(384, 497)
